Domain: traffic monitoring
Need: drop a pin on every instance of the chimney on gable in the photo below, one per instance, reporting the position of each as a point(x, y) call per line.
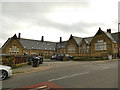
point(42, 38)
point(60, 39)
point(99, 28)
point(109, 30)
point(19, 35)
point(15, 36)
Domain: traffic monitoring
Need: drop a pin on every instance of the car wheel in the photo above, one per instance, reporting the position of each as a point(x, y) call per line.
point(4, 74)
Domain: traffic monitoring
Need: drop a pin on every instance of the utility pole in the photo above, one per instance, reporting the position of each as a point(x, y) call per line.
point(118, 40)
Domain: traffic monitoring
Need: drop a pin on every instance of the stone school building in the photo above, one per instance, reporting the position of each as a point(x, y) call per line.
point(102, 44)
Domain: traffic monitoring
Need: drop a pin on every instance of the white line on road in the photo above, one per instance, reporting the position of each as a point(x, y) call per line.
point(68, 76)
point(42, 87)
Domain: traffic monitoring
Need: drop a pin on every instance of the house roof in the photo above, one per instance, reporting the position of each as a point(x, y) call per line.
point(61, 44)
point(110, 36)
point(88, 40)
point(9, 39)
point(77, 39)
point(115, 36)
point(36, 44)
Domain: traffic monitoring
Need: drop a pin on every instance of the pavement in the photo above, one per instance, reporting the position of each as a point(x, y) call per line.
point(30, 68)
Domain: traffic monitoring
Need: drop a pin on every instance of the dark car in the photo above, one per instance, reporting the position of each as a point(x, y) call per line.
point(40, 58)
point(59, 57)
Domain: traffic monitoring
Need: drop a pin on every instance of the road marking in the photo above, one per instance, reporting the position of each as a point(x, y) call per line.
point(68, 76)
point(42, 87)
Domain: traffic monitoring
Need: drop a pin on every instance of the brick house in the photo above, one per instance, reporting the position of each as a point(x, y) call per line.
point(101, 44)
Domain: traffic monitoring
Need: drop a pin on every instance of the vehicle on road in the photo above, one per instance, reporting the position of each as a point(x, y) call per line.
point(53, 57)
point(40, 59)
point(5, 72)
point(59, 57)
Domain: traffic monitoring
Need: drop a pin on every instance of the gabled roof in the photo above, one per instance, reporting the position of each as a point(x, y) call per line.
point(36, 44)
point(77, 39)
point(61, 44)
point(9, 39)
point(116, 36)
point(88, 40)
point(110, 36)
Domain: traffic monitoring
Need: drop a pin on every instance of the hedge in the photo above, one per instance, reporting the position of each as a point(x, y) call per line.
point(89, 58)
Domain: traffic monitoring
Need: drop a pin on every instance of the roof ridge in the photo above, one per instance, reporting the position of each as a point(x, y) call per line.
point(77, 37)
point(88, 37)
point(38, 40)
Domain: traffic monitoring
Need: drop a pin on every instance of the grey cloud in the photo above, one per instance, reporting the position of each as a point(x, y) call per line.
point(16, 12)
point(38, 6)
point(77, 27)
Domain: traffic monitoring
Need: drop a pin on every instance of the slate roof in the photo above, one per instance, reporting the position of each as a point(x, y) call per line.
point(88, 40)
point(110, 36)
point(77, 39)
point(115, 36)
point(61, 44)
point(36, 44)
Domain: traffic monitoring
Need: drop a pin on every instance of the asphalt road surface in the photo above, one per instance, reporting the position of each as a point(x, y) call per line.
point(68, 75)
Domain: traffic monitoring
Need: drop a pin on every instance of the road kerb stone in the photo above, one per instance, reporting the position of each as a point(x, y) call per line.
point(33, 70)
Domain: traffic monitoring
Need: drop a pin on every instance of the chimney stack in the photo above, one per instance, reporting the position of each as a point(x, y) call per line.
point(109, 30)
point(99, 28)
point(42, 39)
point(60, 39)
point(19, 35)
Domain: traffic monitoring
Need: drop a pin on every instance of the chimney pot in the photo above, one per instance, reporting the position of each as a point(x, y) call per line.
point(42, 39)
point(60, 39)
point(109, 30)
point(99, 28)
point(19, 35)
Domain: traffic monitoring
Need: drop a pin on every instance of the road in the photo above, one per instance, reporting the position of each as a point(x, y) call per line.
point(71, 74)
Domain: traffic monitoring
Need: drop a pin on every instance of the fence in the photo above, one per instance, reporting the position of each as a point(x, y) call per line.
point(10, 60)
point(20, 59)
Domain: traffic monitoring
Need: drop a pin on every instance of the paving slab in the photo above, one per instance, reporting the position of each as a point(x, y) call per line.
point(30, 68)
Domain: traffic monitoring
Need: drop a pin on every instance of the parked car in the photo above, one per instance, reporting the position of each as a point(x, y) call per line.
point(70, 57)
point(6, 71)
point(53, 57)
point(59, 57)
point(40, 59)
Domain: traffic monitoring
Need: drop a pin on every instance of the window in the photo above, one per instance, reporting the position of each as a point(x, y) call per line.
point(80, 50)
point(87, 49)
point(83, 48)
point(51, 53)
point(96, 46)
point(104, 45)
point(14, 49)
point(71, 48)
point(17, 50)
point(114, 49)
point(100, 45)
point(33, 52)
point(46, 53)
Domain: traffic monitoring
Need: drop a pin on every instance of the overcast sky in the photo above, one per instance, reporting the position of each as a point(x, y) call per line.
point(55, 19)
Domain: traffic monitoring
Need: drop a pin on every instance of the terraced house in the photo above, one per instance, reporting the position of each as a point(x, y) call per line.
point(102, 44)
